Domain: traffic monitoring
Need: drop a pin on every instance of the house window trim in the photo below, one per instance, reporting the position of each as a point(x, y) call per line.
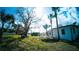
point(63, 31)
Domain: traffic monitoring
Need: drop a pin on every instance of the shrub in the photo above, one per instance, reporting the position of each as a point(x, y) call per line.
point(35, 34)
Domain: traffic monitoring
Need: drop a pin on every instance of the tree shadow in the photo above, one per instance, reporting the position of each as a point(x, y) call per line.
point(73, 43)
point(49, 40)
point(10, 44)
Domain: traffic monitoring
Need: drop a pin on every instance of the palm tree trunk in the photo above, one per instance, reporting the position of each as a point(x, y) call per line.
point(46, 32)
point(51, 29)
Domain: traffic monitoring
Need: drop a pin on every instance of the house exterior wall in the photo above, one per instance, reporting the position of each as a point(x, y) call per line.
point(50, 34)
point(65, 36)
point(43, 35)
point(69, 33)
point(75, 35)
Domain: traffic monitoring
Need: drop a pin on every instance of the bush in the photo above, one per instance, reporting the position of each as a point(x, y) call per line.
point(35, 34)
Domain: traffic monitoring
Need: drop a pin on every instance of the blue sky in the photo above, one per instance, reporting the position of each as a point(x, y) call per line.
point(10, 10)
point(63, 16)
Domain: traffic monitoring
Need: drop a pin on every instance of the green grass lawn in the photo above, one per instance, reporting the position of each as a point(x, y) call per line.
point(33, 43)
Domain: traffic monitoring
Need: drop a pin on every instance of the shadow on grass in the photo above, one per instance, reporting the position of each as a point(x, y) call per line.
point(73, 43)
point(49, 40)
point(10, 44)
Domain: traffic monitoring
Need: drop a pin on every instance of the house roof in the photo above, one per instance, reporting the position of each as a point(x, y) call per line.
point(69, 25)
point(66, 26)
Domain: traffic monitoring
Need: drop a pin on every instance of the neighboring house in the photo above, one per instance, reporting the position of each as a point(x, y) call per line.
point(43, 35)
point(69, 32)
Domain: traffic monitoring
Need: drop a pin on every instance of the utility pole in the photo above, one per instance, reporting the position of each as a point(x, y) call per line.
point(55, 11)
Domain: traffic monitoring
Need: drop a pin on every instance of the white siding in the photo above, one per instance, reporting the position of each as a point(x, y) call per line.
point(55, 34)
point(50, 34)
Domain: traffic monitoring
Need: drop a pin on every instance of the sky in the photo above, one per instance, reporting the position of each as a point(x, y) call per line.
point(64, 17)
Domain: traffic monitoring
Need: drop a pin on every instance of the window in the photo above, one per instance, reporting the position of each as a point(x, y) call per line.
point(73, 30)
point(63, 31)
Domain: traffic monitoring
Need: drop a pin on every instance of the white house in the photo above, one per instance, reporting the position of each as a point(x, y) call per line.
point(69, 32)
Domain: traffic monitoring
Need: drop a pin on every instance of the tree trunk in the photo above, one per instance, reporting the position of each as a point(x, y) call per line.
point(27, 28)
point(46, 32)
point(51, 30)
point(1, 31)
point(26, 31)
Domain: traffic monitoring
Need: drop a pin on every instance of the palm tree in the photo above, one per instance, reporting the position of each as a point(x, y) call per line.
point(55, 9)
point(50, 18)
point(45, 27)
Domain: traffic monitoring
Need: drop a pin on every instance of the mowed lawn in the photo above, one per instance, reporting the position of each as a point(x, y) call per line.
point(12, 42)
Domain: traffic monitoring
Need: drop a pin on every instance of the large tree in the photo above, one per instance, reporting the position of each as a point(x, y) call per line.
point(4, 18)
point(26, 16)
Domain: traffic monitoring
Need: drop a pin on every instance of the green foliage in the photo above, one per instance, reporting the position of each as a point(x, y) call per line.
point(35, 34)
point(50, 16)
point(46, 26)
point(5, 18)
